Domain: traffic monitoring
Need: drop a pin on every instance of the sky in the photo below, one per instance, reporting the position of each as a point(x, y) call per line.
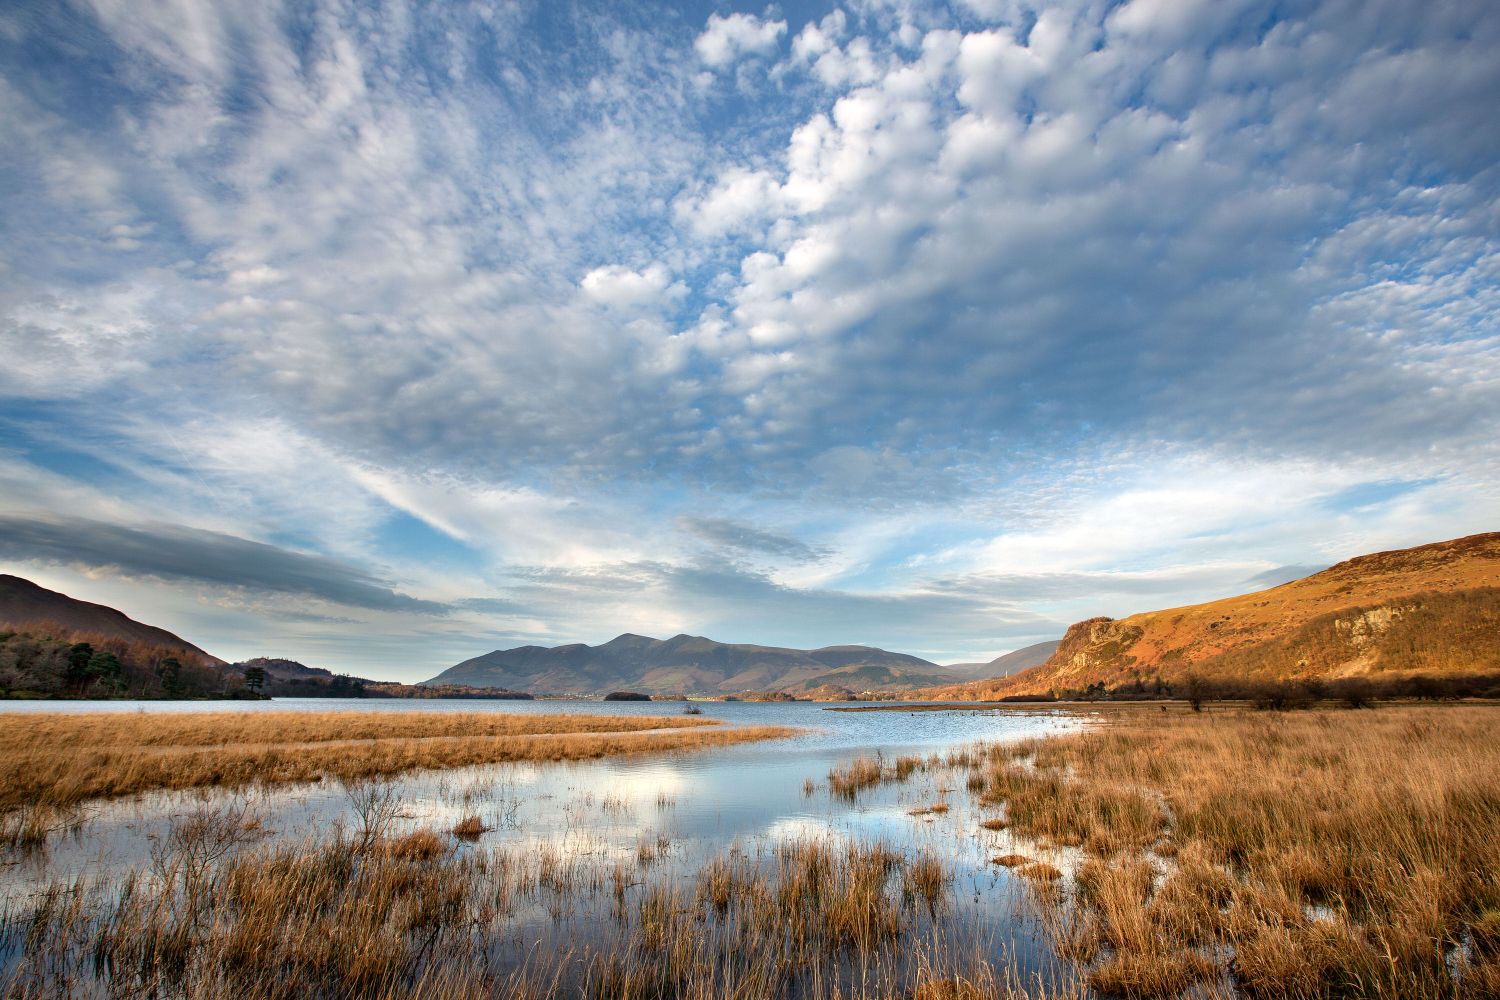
point(380, 335)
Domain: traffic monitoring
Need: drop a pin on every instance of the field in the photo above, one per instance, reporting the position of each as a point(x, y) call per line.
point(58, 760)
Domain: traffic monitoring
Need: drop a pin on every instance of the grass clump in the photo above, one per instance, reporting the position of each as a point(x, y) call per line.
point(859, 774)
point(471, 827)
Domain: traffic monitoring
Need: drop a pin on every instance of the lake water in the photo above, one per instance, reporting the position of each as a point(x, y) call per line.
point(749, 797)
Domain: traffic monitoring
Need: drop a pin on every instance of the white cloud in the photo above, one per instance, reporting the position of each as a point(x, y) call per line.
point(619, 287)
point(727, 38)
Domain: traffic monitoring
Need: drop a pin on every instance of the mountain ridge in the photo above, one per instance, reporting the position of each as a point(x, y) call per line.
point(690, 664)
point(1009, 663)
point(24, 603)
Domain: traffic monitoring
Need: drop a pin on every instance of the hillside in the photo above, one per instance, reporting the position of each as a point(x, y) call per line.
point(290, 679)
point(690, 664)
point(24, 604)
point(1009, 663)
point(53, 646)
point(1428, 610)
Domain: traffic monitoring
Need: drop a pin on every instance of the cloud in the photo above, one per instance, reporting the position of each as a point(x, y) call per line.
point(174, 552)
point(732, 534)
point(728, 37)
point(620, 287)
point(495, 302)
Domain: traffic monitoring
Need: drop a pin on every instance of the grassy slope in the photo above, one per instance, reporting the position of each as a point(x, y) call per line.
point(1370, 595)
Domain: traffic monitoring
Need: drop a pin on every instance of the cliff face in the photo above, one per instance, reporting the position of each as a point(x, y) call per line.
point(1427, 609)
point(1095, 644)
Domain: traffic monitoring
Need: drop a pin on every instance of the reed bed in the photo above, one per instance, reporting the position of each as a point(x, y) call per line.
point(863, 773)
point(55, 761)
point(1307, 855)
point(413, 917)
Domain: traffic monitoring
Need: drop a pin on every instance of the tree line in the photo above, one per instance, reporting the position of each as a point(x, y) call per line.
point(54, 661)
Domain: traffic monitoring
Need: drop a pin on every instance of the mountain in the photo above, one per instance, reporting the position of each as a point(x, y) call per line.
point(290, 679)
point(24, 604)
point(1429, 610)
point(53, 646)
point(691, 664)
point(1009, 663)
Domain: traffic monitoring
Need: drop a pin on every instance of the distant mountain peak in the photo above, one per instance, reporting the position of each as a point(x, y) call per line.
point(689, 664)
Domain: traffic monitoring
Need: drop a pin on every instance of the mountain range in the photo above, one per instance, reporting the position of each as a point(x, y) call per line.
point(691, 664)
point(1432, 610)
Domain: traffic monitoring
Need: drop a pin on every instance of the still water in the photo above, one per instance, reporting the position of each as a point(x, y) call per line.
point(695, 805)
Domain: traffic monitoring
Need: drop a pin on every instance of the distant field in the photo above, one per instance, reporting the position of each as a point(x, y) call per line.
point(59, 760)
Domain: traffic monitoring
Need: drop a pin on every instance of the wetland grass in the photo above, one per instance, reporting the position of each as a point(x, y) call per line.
point(57, 760)
point(411, 917)
point(471, 827)
point(1302, 855)
point(1226, 856)
point(859, 774)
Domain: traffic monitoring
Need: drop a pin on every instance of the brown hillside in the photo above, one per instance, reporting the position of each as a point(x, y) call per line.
point(24, 604)
point(1362, 616)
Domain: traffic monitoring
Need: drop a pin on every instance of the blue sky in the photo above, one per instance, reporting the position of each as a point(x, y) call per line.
point(381, 335)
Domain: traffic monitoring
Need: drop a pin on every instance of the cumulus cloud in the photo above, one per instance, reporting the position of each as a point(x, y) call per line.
point(621, 288)
point(729, 37)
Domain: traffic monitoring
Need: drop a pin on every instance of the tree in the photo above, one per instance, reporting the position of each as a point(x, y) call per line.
point(169, 671)
point(1357, 692)
point(255, 679)
point(105, 668)
point(79, 655)
point(1194, 690)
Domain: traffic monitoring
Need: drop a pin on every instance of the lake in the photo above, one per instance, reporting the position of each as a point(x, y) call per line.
point(689, 807)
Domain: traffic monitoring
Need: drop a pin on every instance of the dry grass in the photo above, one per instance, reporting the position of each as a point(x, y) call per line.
point(1322, 854)
point(861, 773)
point(59, 760)
point(411, 918)
point(469, 828)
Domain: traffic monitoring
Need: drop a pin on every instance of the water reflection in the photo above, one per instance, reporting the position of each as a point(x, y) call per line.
point(703, 799)
point(669, 812)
